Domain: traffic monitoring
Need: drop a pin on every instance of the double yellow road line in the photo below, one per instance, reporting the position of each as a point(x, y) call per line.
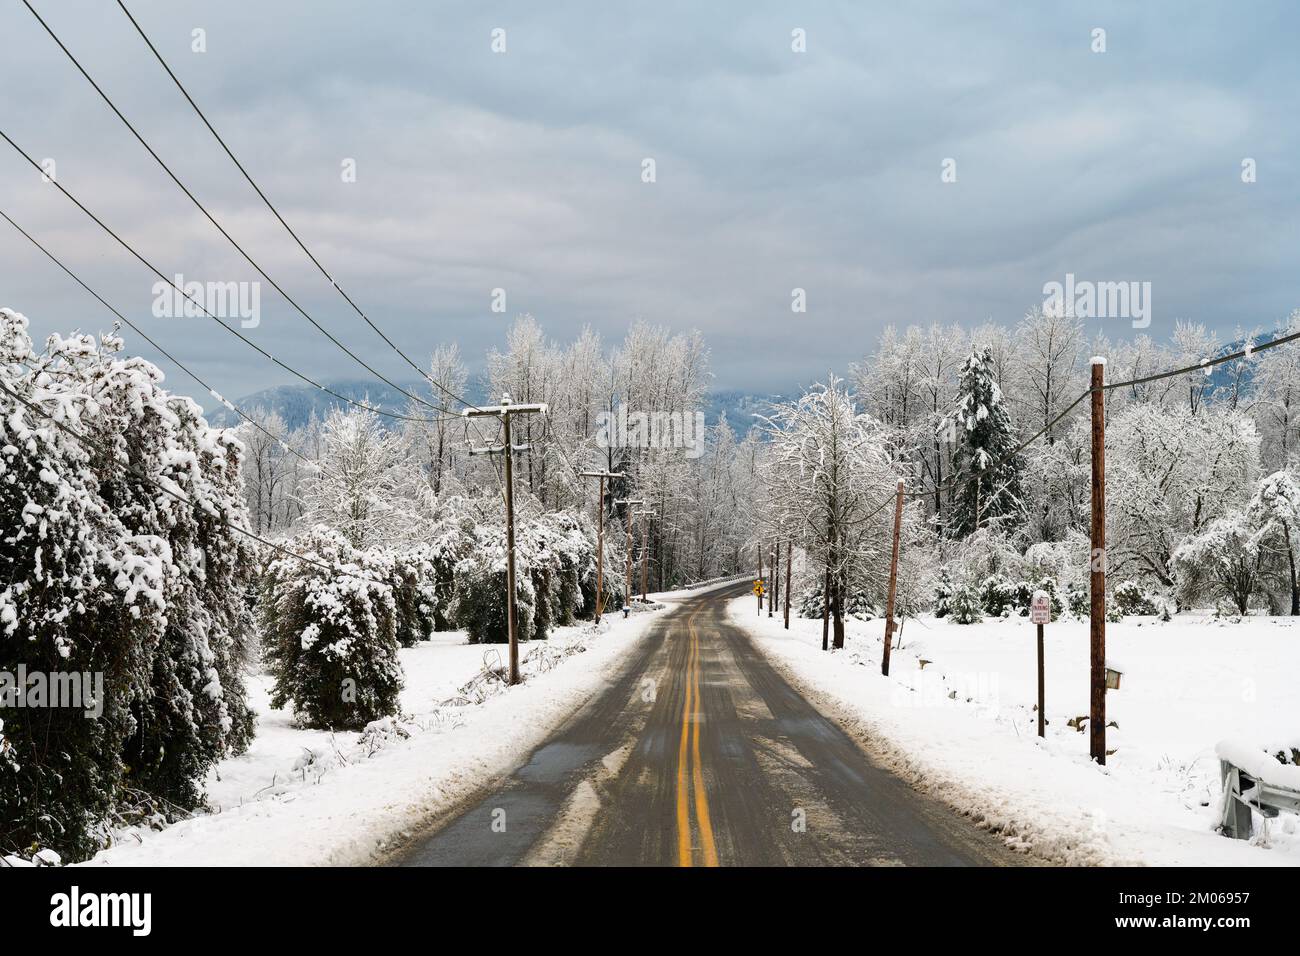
point(691, 737)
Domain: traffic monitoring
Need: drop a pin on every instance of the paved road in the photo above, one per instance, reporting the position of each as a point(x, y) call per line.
point(700, 754)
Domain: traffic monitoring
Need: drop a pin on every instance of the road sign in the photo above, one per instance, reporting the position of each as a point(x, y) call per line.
point(1040, 609)
point(758, 588)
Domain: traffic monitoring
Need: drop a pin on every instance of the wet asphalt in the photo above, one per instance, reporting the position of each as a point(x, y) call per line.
point(700, 754)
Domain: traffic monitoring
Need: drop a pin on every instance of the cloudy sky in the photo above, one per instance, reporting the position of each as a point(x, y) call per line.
point(775, 170)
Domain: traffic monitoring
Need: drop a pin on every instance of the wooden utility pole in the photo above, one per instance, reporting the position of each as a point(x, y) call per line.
point(504, 413)
point(627, 589)
point(789, 560)
point(645, 551)
point(600, 537)
point(1097, 608)
point(893, 581)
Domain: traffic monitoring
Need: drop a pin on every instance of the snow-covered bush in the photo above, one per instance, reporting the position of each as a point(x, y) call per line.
point(479, 603)
point(964, 605)
point(108, 576)
point(856, 604)
point(413, 576)
point(1078, 599)
point(943, 589)
point(330, 633)
point(1130, 598)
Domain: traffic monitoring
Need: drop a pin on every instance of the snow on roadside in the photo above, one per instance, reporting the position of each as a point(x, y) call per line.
point(963, 727)
point(307, 797)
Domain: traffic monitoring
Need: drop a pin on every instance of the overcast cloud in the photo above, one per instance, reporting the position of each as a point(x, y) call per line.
point(775, 169)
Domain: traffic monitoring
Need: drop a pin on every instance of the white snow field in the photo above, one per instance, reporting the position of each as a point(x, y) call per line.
point(964, 727)
point(309, 797)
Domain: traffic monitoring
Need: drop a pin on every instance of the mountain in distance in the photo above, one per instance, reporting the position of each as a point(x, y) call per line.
point(297, 405)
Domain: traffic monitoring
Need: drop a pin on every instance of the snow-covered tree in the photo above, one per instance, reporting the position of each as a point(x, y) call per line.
point(365, 486)
point(1274, 511)
point(827, 477)
point(988, 477)
point(330, 633)
point(119, 558)
point(1225, 560)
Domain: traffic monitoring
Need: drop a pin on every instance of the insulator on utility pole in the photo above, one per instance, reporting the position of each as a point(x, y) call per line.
point(504, 412)
point(600, 536)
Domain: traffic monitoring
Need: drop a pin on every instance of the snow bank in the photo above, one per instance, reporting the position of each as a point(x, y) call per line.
point(964, 727)
point(305, 797)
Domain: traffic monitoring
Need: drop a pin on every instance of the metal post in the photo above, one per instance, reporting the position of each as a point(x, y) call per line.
point(1042, 720)
point(1097, 608)
point(893, 581)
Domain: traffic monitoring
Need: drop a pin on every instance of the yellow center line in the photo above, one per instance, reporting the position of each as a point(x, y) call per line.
point(701, 797)
point(684, 791)
point(683, 799)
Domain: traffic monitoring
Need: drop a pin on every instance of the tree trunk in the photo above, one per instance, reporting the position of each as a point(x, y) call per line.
point(839, 613)
point(826, 610)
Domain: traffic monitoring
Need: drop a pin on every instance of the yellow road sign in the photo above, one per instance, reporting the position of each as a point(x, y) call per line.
point(758, 588)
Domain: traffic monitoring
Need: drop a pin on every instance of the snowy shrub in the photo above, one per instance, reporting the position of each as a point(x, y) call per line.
point(1078, 600)
point(1129, 598)
point(105, 575)
point(942, 594)
point(856, 604)
point(412, 574)
point(479, 602)
point(331, 634)
point(964, 606)
point(1225, 562)
point(997, 596)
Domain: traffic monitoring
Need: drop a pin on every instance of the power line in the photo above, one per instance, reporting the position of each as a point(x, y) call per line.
point(275, 212)
point(212, 219)
point(229, 328)
point(144, 335)
point(139, 474)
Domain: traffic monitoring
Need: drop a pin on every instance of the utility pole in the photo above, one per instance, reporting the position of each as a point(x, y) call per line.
point(600, 537)
point(505, 412)
point(629, 502)
point(789, 561)
point(1097, 608)
point(893, 581)
point(645, 516)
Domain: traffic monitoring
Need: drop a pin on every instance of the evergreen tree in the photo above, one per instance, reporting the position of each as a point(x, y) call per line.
point(988, 482)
